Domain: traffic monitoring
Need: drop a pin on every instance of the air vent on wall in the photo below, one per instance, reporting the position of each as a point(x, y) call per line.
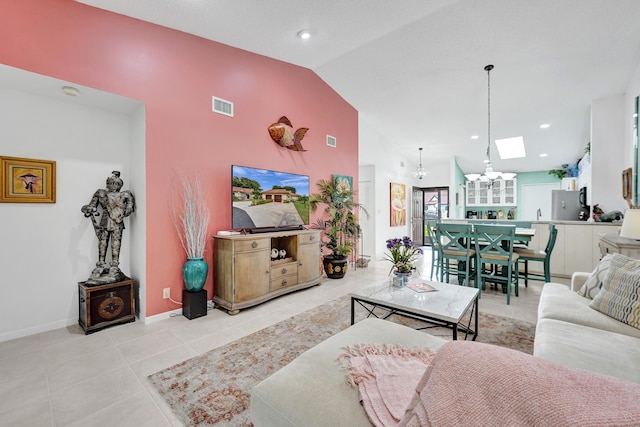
point(222, 106)
point(331, 141)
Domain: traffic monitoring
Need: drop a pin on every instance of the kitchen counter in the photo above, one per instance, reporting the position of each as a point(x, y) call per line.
point(507, 221)
point(615, 223)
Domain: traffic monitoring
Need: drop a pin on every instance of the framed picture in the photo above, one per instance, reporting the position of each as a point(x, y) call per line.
point(398, 210)
point(627, 191)
point(27, 180)
point(344, 182)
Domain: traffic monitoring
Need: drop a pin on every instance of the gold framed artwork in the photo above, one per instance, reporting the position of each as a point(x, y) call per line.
point(27, 180)
point(398, 210)
point(627, 191)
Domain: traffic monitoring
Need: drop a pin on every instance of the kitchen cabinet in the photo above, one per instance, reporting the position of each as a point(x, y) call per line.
point(246, 275)
point(502, 193)
point(576, 249)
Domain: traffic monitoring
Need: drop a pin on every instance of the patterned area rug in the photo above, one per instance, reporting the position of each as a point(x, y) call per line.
point(215, 388)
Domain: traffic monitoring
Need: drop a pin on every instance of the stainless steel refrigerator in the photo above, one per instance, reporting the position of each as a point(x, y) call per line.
point(565, 205)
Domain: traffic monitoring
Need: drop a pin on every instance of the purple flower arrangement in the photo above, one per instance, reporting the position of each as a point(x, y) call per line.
point(402, 254)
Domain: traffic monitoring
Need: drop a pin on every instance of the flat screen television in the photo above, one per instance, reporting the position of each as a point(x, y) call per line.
point(268, 200)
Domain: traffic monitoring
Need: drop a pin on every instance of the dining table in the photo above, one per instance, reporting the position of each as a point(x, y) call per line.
point(524, 235)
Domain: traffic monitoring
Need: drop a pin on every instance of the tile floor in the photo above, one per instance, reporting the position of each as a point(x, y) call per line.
point(66, 378)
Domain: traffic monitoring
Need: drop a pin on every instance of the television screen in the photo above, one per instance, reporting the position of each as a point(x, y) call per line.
point(266, 198)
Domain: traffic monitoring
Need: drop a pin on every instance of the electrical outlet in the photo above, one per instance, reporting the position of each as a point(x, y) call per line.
point(166, 293)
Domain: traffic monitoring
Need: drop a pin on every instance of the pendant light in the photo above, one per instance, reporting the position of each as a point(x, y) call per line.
point(489, 175)
point(420, 172)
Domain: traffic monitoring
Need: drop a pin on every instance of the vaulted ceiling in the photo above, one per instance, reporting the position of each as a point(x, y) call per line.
point(414, 69)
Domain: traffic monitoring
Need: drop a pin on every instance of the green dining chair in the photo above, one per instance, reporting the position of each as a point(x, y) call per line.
point(456, 251)
point(435, 248)
point(494, 247)
point(543, 256)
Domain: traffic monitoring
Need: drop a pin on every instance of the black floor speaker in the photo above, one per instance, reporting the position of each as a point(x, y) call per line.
point(194, 304)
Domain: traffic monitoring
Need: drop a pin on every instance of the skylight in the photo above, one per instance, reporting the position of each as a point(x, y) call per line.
point(511, 148)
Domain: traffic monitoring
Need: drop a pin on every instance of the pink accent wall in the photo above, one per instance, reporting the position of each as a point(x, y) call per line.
point(175, 75)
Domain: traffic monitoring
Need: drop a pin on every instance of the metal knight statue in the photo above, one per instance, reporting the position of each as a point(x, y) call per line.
point(107, 210)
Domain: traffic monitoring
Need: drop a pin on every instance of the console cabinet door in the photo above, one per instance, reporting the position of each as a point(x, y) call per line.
point(308, 261)
point(251, 275)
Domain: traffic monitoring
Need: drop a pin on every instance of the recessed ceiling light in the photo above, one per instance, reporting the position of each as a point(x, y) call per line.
point(474, 137)
point(70, 90)
point(511, 148)
point(304, 34)
point(544, 126)
point(543, 155)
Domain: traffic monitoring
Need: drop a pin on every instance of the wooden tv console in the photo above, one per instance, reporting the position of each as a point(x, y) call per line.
point(245, 275)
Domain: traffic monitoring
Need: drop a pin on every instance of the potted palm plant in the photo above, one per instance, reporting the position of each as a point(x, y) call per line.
point(340, 223)
point(191, 219)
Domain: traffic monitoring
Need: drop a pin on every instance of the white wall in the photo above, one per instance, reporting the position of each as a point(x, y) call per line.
point(46, 249)
point(608, 160)
point(391, 166)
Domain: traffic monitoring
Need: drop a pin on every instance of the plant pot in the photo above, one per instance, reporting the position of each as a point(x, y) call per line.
point(194, 273)
point(401, 279)
point(335, 267)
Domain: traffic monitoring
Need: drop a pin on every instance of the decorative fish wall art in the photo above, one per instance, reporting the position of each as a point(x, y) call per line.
point(282, 133)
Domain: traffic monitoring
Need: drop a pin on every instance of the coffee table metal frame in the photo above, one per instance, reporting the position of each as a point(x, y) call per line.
point(370, 303)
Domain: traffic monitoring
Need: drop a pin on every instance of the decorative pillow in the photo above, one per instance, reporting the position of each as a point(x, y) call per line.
point(620, 294)
point(593, 284)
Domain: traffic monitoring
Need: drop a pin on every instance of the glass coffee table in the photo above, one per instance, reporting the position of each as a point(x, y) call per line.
point(446, 306)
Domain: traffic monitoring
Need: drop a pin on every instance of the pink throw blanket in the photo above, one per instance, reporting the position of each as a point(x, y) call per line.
point(484, 385)
point(386, 376)
point(469, 383)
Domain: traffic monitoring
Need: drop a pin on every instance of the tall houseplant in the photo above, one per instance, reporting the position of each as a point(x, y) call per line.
point(340, 223)
point(191, 219)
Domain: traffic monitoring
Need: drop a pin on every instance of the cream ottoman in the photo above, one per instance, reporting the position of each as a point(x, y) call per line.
point(312, 391)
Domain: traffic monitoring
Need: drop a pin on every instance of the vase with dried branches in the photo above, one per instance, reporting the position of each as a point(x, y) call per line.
point(191, 219)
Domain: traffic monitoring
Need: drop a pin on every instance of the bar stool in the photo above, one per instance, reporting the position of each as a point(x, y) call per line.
point(455, 243)
point(494, 245)
point(436, 259)
point(544, 257)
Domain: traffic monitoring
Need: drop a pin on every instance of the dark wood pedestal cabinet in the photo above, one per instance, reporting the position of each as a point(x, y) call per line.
point(105, 305)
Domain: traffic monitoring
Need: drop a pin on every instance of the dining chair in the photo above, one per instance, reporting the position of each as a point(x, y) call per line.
point(494, 246)
point(456, 251)
point(435, 248)
point(543, 256)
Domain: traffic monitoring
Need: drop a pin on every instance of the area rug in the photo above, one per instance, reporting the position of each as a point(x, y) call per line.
point(215, 388)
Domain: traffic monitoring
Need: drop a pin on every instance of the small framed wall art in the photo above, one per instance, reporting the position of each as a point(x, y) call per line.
point(398, 212)
point(27, 180)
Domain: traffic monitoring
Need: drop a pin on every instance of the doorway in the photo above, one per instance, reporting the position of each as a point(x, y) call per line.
point(429, 204)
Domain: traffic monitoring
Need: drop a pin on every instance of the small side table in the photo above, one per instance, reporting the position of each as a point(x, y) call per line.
point(614, 244)
point(105, 305)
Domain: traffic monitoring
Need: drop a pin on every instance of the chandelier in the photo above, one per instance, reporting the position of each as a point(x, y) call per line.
point(489, 175)
point(420, 172)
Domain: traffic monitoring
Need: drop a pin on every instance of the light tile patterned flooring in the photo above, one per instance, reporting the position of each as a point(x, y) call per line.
point(66, 378)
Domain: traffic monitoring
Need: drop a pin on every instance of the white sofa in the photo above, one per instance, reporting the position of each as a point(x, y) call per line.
point(312, 391)
point(571, 333)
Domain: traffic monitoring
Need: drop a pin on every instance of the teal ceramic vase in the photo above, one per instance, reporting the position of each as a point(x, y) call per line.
point(194, 273)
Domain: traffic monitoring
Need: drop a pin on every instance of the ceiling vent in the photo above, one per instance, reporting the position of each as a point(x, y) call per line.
point(222, 106)
point(331, 141)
